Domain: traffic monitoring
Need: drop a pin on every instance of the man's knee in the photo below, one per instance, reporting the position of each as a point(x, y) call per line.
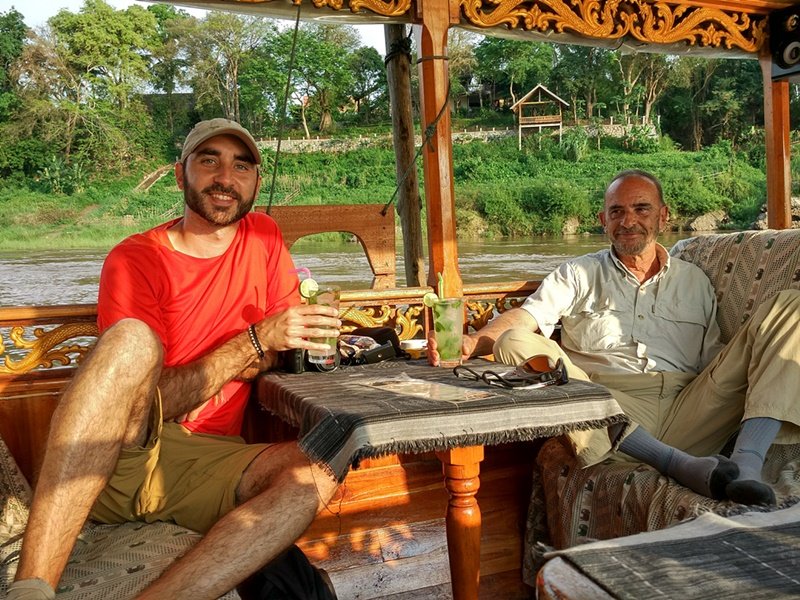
point(285, 464)
point(134, 338)
point(516, 345)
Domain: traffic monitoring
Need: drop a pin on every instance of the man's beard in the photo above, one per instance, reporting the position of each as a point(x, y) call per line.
point(633, 247)
point(199, 203)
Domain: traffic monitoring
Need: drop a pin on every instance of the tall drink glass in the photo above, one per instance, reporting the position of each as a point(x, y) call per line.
point(327, 295)
point(448, 327)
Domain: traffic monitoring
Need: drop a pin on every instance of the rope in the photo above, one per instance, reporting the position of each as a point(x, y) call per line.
point(430, 130)
point(282, 122)
point(400, 47)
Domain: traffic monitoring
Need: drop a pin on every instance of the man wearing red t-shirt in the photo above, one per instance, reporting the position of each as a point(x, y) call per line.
point(189, 313)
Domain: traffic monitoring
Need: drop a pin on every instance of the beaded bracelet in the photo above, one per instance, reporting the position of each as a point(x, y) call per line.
point(251, 331)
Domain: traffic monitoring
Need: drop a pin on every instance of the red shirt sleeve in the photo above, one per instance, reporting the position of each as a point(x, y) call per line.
point(130, 285)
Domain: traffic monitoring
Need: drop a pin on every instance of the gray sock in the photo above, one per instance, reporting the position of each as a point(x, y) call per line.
point(706, 475)
point(755, 438)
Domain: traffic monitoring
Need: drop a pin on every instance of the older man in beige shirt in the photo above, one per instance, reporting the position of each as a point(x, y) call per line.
point(644, 325)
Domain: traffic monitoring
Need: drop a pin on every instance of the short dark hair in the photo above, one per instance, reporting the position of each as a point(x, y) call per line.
point(639, 173)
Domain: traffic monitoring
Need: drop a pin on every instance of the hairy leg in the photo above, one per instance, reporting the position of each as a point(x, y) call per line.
point(281, 493)
point(105, 406)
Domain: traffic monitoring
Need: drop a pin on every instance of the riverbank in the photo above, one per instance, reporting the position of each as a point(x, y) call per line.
point(63, 276)
point(547, 188)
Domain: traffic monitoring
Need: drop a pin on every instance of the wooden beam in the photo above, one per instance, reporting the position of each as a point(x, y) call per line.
point(776, 130)
point(434, 18)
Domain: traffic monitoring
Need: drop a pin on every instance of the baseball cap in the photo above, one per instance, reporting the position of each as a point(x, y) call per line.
point(214, 127)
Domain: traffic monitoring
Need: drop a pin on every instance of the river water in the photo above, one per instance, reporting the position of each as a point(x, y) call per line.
point(71, 276)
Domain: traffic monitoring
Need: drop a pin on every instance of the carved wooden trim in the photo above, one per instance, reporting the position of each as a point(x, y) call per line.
point(387, 9)
point(651, 22)
point(37, 339)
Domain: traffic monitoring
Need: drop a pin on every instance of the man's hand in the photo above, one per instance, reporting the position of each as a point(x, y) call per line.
point(295, 326)
point(467, 348)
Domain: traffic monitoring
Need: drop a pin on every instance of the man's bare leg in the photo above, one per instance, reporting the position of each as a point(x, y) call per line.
point(282, 493)
point(105, 406)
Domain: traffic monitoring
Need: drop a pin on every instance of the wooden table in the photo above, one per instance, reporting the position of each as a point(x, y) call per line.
point(408, 406)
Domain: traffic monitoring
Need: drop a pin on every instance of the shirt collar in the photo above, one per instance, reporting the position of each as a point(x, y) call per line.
point(661, 255)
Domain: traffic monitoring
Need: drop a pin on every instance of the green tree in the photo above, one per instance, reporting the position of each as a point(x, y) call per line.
point(12, 38)
point(108, 48)
point(684, 105)
point(76, 80)
point(218, 47)
point(584, 75)
point(369, 80)
point(513, 65)
point(170, 55)
point(262, 82)
point(322, 74)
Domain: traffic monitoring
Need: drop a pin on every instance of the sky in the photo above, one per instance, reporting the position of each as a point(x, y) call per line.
point(36, 13)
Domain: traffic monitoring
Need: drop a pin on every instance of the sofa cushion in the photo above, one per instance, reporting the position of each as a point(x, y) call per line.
point(745, 268)
point(108, 561)
point(112, 561)
point(15, 496)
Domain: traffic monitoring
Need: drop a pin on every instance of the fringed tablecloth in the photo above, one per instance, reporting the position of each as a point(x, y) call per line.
point(396, 406)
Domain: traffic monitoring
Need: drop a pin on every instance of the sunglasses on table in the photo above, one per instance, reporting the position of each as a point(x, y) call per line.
point(536, 371)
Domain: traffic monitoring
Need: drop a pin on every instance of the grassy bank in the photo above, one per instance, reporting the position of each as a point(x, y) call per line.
point(500, 191)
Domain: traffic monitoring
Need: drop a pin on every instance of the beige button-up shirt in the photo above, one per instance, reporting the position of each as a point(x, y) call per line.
point(612, 323)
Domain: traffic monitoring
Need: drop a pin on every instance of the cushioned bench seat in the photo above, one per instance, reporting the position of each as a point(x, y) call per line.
point(572, 506)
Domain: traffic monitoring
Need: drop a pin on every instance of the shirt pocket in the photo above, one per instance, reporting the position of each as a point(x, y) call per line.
point(681, 327)
point(600, 323)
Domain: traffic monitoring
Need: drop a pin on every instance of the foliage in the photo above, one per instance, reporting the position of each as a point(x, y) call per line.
point(641, 138)
point(575, 143)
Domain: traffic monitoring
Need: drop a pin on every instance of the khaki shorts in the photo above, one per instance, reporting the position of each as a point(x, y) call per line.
point(178, 476)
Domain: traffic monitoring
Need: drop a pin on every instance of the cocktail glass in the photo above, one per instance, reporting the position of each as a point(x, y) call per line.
point(448, 327)
point(327, 295)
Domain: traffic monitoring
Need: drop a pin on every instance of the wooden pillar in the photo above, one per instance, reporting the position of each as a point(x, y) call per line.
point(431, 35)
point(776, 129)
point(461, 467)
point(409, 207)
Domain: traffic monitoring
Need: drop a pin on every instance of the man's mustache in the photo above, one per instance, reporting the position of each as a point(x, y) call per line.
point(223, 190)
point(632, 230)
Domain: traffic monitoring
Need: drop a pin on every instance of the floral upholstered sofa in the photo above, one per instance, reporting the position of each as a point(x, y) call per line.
point(572, 506)
point(109, 562)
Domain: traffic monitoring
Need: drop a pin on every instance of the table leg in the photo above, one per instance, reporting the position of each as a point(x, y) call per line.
point(461, 467)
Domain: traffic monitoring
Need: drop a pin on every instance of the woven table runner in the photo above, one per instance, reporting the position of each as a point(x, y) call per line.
point(754, 556)
point(408, 406)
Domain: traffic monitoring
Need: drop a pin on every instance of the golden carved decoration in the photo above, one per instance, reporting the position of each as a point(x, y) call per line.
point(34, 347)
point(387, 9)
point(657, 23)
point(405, 320)
point(47, 349)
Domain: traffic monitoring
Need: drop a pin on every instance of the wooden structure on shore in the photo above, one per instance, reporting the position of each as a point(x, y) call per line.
point(389, 516)
point(538, 108)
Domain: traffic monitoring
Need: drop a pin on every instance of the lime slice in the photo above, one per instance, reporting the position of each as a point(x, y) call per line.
point(429, 299)
point(308, 287)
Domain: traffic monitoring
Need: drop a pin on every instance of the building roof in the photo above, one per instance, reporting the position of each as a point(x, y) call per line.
point(540, 88)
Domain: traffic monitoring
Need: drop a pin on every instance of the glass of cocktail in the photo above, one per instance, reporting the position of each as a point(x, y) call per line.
point(327, 295)
point(448, 327)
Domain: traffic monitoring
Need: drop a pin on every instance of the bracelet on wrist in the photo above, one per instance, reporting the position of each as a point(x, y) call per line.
point(251, 331)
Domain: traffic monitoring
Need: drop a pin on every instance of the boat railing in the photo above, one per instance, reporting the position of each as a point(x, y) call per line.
point(34, 339)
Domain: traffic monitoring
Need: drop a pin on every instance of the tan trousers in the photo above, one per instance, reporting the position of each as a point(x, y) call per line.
point(756, 375)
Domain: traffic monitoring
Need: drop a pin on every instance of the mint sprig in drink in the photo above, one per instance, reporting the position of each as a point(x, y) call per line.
point(448, 326)
point(326, 295)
